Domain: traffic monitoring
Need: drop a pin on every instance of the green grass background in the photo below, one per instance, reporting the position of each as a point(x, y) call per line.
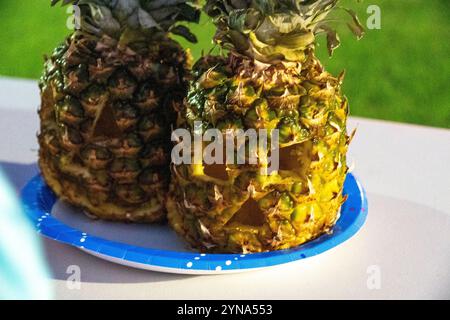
point(399, 73)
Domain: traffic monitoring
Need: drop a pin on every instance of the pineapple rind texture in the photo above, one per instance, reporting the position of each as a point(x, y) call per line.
point(247, 211)
point(106, 117)
point(270, 79)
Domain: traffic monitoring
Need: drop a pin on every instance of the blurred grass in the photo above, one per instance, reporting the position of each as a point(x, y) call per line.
point(398, 73)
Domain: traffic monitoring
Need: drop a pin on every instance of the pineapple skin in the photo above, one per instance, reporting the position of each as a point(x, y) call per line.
point(242, 211)
point(106, 113)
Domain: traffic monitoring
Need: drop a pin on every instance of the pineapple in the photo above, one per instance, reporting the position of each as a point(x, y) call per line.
point(269, 79)
point(108, 95)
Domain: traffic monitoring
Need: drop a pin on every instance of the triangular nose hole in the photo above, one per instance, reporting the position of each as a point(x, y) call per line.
point(105, 125)
point(249, 215)
point(217, 171)
point(288, 160)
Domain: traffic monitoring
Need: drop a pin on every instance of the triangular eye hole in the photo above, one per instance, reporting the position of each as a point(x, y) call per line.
point(217, 171)
point(249, 215)
point(105, 125)
point(288, 160)
point(296, 157)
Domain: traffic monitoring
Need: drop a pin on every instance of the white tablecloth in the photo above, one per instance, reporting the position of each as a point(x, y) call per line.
point(403, 251)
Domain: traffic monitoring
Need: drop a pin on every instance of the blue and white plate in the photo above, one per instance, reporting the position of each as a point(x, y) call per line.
point(157, 248)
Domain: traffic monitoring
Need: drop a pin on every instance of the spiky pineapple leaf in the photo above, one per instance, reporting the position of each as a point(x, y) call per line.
point(184, 32)
point(355, 26)
point(274, 28)
point(114, 16)
point(333, 41)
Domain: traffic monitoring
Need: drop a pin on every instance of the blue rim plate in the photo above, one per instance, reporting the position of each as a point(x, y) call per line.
point(38, 201)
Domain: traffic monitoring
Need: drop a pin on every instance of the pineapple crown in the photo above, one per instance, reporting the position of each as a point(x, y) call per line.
point(276, 30)
point(136, 18)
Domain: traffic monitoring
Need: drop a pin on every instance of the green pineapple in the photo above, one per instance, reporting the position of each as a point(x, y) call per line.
point(108, 98)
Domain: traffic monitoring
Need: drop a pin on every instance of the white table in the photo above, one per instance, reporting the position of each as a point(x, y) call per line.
point(406, 239)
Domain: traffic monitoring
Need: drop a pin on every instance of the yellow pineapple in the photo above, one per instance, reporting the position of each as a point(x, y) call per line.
point(269, 79)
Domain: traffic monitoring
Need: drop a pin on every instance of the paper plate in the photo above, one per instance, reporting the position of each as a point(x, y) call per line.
point(157, 248)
